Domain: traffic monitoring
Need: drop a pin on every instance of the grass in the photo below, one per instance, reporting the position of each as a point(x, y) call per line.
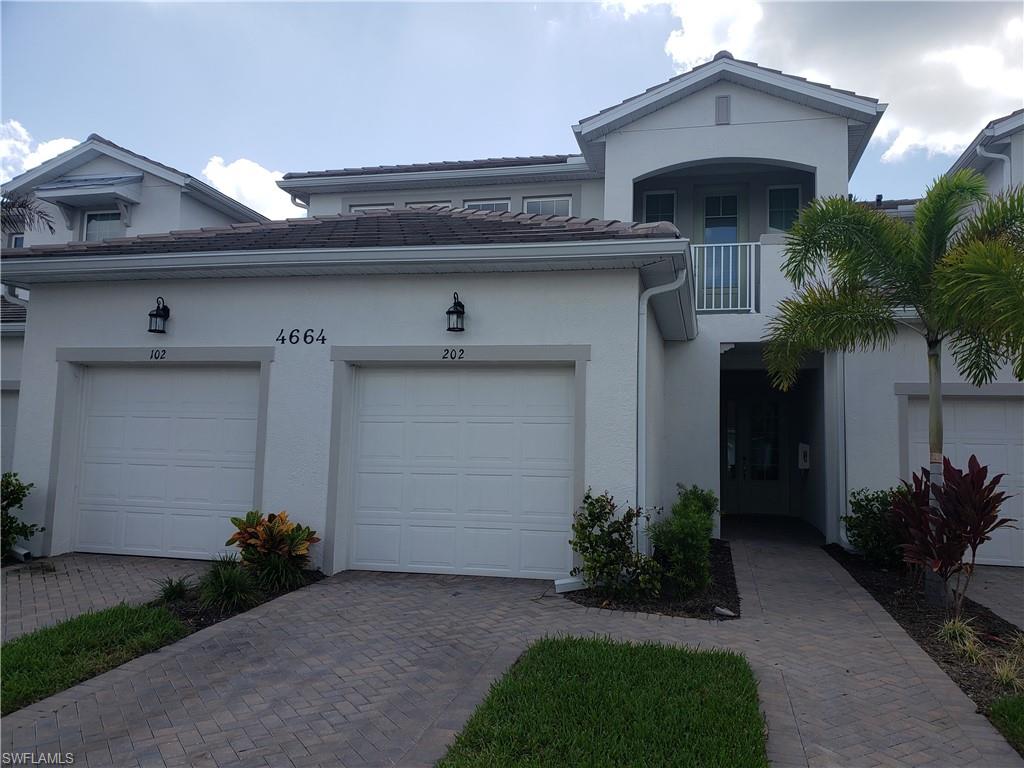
point(594, 702)
point(54, 658)
point(1008, 716)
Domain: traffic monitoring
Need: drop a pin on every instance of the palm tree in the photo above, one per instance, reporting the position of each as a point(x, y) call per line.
point(19, 213)
point(956, 273)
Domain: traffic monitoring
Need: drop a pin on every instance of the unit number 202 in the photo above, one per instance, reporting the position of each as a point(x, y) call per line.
point(453, 354)
point(299, 336)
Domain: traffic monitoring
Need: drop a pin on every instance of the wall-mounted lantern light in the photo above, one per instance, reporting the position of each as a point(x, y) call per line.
point(158, 317)
point(456, 316)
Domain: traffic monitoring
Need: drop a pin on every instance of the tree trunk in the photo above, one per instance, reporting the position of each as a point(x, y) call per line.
point(936, 591)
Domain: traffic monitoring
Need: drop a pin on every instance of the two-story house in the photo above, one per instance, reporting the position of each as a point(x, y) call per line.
point(97, 191)
point(433, 366)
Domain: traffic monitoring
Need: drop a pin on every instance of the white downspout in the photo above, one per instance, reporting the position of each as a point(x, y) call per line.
point(641, 387)
point(994, 156)
point(299, 204)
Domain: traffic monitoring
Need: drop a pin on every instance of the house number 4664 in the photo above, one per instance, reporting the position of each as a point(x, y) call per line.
point(299, 336)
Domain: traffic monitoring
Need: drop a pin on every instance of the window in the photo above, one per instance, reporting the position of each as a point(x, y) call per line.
point(721, 219)
point(722, 110)
point(102, 225)
point(660, 206)
point(432, 202)
point(369, 207)
point(16, 240)
point(488, 205)
point(548, 206)
point(783, 207)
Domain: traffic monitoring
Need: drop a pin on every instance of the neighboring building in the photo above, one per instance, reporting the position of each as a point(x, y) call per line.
point(998, 152)
point(98, 191)
point(307, 364)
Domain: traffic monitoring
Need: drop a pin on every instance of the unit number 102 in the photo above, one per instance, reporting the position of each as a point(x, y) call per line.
point(297, 335)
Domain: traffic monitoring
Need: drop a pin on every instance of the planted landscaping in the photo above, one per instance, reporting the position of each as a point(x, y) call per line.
point(586, 701)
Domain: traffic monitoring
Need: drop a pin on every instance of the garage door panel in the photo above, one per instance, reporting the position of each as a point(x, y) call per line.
point(168, 455)
point(485, 458)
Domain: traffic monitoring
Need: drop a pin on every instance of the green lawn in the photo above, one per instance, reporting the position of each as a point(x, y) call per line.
point(592, 702)
point(51, 659)
point(1008, 716)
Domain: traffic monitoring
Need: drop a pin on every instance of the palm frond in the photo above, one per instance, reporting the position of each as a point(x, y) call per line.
point(825, 317)
point(21, 213)
point(980, 285)
point(979, 357)
point(999, 218)
point(942, 209)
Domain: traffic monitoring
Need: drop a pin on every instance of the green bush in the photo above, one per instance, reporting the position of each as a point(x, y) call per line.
point(682, 541)
point(228, 587)
point(604, 541)
point(171, 589)
point(1008, 715)
point(274, 548)
point(871, 527)
point(12, 496)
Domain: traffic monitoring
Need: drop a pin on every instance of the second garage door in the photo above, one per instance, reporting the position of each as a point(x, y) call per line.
point(464, 471)
point(168, 456)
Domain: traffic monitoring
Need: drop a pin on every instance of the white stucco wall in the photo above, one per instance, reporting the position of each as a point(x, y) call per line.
point(10, 357)
point(762, 126)
point(596, 308)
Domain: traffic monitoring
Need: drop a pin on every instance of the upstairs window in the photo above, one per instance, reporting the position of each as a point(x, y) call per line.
point(548, 206)
point(660, 206)
point(102, 225)
point(16, 240)
point(489, 205)
point(783, 207)
point(369, 208)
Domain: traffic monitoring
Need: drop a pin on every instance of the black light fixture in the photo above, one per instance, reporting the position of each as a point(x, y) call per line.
point(158, 317)
point(456, 316)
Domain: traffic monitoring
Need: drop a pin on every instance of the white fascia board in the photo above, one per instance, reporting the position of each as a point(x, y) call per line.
point(436, 178)
point(1004, 128)
point(24, 272)
point(822, 96)
point(1000, 131)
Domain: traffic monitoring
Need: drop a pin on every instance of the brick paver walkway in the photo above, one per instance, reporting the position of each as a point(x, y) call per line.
point(44, 592)
point(368, 669)
point(1001, 590)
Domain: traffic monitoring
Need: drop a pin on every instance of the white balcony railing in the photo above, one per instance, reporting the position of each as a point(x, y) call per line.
point(727, 276)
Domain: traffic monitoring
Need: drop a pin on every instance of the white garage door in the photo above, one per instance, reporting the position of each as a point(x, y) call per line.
point(992, 429)
point(168, 455)
point(464, 471)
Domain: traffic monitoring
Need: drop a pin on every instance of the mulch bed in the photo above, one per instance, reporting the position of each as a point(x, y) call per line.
point(196, 617)
point(895, 592)
point(721, 592)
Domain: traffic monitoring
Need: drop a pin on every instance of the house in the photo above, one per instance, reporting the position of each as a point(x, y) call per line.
point(95, 191)
point(998, 152)
point(434, 364)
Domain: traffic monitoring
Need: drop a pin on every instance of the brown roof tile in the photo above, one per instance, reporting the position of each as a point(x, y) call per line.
point(12, 311)
point(445, 165)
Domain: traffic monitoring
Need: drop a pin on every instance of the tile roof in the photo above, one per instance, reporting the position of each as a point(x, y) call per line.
point(390, 228)
point(725, 55)
point(12, 311)
point(101, 140)
point(445, 165)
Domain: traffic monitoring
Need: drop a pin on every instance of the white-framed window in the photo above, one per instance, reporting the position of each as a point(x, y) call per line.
point(15, 239)
point(488, 205)
point(660, 206)
point(783, 207)
point(548, 206)
point(368, 207)
point(101, 225)
point(432, 202)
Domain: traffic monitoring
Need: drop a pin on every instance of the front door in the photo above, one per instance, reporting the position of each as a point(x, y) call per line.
point(754, 473)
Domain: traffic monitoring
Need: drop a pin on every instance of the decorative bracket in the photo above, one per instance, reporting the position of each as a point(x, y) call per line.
point(126, 212)
point(69, 214)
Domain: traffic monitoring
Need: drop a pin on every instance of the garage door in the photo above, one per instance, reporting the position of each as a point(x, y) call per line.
point(168, 455)
point(992, 429)
point(464, 471)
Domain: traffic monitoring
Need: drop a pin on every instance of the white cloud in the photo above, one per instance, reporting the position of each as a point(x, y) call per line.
point(19, 152)
point(933, 143)
point(252, 184)
point(982, 67)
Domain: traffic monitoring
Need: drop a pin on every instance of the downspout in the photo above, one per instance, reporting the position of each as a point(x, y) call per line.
point(994, 156)
point(299, 204)
point(641, 386)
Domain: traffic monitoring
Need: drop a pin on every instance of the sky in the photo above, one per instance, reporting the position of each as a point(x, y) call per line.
point(239, 93)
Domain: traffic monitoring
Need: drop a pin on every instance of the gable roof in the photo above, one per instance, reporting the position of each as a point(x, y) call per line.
point(996, 131)
point(389, 228)
point(863, 112)
point(96, 145)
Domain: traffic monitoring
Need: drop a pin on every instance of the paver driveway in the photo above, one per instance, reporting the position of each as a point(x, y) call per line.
point(368, 669)
point(46, 591)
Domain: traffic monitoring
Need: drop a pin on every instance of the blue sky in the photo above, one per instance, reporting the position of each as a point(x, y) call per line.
point(270, 87)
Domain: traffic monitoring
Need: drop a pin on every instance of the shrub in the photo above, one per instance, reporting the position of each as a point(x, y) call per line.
point(274, 548)
point(963, 516)
point(871, 528)
point(1007, 672)
point(682, 541)
point(228, 587)
point(171, 589)
point(604, 541)
point(12, 496)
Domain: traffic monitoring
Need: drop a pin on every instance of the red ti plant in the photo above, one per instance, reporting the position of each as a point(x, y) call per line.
point(941, 522)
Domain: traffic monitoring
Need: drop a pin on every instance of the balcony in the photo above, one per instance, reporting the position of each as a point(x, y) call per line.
point(727, 277)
